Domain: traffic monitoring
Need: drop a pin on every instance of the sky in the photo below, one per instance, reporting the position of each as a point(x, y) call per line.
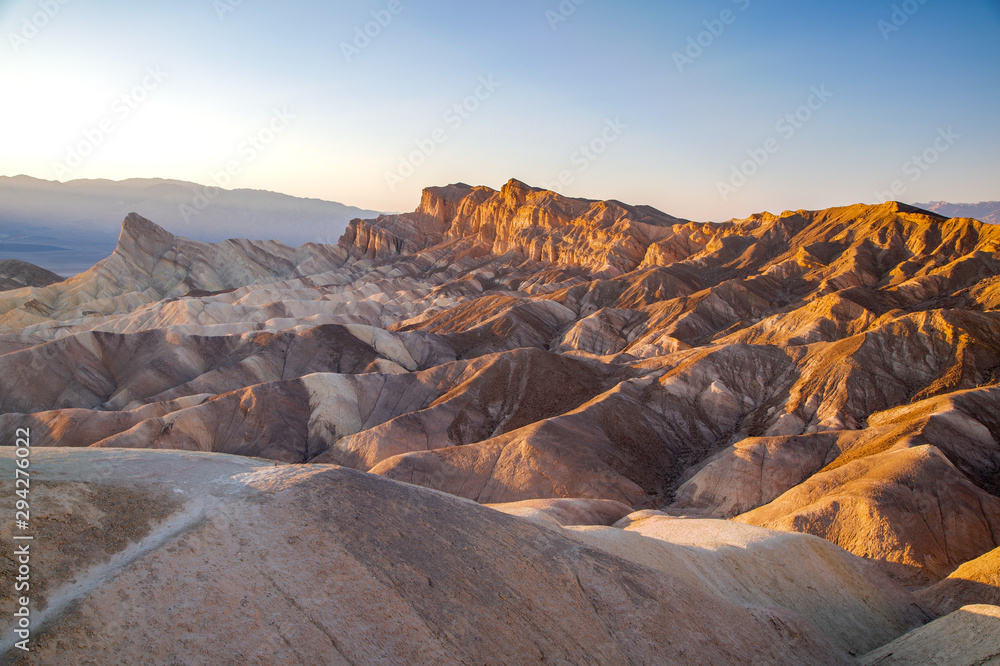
point(707, 110)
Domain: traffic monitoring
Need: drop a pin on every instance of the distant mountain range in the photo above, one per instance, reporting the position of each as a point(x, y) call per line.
point(68, 227)
point(984, 211)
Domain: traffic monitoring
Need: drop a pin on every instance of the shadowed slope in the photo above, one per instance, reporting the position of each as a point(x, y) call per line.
point(518, 346)
point(909, 510)
point(975, 582)
point(331, 564)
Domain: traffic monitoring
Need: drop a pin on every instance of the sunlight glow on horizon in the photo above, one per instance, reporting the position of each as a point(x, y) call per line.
point(415, 94)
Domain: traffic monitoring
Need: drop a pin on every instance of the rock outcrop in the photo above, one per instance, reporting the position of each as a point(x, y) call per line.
point(828, 373)
point(854, 606)
point(168, 556)
point(975, 582)
point(606, 237)
point(17, 274)
point(910, 511)
point(968, 637)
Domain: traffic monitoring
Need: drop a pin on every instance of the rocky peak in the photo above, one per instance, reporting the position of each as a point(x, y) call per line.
point(140, 237)
point(515, 193)
point(898, 207)
point(603, 236)
point(441, 203)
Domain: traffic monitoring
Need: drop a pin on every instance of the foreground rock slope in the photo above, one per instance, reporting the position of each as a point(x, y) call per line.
point(968, 637)
point(832, 373)
point(167, 556)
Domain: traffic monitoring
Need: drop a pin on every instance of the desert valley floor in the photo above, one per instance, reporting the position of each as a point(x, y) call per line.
point(514, 427)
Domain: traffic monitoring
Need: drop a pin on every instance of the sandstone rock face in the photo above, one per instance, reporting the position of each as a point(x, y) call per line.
point(968, 637)
point(567, 512)
point(754, 472)
point(169, 557)
point(828, 374)
point(909, 510)
point(852, 604)
point(975, 582)
point(606, 236)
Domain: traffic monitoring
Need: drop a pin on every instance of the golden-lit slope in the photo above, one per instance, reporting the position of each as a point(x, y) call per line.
point(910, 511)
point(975, 582)
point(831, 372)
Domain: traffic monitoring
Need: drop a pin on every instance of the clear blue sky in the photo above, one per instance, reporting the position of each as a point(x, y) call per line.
point(671, 133)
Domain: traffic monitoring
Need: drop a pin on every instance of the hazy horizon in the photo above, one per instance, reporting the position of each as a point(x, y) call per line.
point(707, 111)
point(372, 212)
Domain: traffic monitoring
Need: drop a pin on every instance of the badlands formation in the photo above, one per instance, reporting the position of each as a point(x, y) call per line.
point(16, 274)
point(516, 427)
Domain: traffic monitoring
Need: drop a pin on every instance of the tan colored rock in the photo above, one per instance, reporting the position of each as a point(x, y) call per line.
point(961, 424)
point(854, 605)
point(353, 419)
point(467, 402)
point(179, 557)
point(566, 512)
point(114, 371)
point(754, 472)
point(909, 510)
point(605, 236)
point(975, 582)
point(604, 333)
point(968, 637)
point(718, 367)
